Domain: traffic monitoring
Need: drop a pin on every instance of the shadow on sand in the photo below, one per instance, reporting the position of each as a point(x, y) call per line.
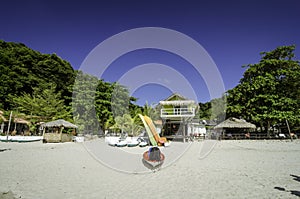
point(7, 195)
point(2, 150)
point(152, 167)
point(293, 192)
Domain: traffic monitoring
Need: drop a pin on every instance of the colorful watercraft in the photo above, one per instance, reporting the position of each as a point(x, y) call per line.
point(161, 141)
point(150, 135)
point(153, 158)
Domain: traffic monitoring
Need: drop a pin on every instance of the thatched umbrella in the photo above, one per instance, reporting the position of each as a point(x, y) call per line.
point(61, 124)
point(234, 123)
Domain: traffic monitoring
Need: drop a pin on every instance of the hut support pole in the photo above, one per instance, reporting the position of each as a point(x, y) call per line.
point(44, 131)
point(8, 126)
point(288, 126)
point(61, 130)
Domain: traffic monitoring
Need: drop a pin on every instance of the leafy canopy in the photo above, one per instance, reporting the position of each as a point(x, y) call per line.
point(268, 94)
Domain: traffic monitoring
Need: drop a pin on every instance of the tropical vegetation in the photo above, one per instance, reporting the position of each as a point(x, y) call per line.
point(268, 93)
point(42, 87)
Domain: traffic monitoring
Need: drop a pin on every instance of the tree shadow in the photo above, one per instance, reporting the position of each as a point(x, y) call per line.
point(297, 178)
point(2, 150)
point(293, 192)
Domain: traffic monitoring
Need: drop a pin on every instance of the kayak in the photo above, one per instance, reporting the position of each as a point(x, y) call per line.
point(143, 144)
point(132, 143)
point(121, 143)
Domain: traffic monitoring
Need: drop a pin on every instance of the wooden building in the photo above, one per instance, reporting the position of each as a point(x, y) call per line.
point(177, 113)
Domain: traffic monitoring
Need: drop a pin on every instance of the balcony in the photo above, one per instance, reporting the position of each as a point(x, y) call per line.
point(177, 112)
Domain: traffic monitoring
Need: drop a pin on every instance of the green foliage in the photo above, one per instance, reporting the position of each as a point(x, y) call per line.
point(204, 111)
point(96, 103)
point(151, 111)
point(120, 100)
point(23, 69)
point(84, 113)
point(25, 85)
point(103, 103)
point(42, 105)
point(128, 124)
point(268, 93)
point(213, 110)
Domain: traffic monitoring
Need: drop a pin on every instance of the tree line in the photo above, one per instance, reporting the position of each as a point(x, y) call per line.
point(268, 94)
point(43, 87)
point(40, 87)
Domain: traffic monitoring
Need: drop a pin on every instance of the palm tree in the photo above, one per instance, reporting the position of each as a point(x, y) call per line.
point(128, 124)
point(151, 112)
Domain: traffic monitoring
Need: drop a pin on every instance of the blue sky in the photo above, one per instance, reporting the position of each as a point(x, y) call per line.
point(232, 32)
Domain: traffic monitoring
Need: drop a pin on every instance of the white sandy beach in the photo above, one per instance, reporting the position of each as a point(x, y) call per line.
point(233, 169)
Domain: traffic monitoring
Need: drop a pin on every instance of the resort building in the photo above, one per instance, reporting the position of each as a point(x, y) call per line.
point(178, 113)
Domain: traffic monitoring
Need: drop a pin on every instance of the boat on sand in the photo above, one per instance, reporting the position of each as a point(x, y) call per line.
point(132, 143)
point(121, 143)
point(153, 158)
point(129, 142)
point(20, 138)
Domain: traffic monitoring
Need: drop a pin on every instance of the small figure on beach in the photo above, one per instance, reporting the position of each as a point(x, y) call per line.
point(154, 154)
point(247, 135)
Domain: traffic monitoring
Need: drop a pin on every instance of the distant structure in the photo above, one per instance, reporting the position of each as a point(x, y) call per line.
point(53, 131)
point(178, 113)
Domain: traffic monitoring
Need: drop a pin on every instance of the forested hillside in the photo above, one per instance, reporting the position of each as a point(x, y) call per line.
point(41, 87)
point(23, 69)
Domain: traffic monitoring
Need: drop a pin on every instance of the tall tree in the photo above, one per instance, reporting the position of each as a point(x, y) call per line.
point(213, 110)
point(97, 103)
point(120, 100)
point(83, 103)
point(204, 111)
point(268, 93)
point(103, 104)
point(43, 104)
point(151, 111)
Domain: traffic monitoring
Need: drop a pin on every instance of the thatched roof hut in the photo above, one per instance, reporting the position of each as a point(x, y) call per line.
point(234, 123)
point(57, 136)
point(59, 123)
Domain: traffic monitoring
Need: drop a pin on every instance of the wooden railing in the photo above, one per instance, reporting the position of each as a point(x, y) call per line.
point(177, 112)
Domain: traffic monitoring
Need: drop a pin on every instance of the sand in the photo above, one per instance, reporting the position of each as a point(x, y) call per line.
point(206, 169)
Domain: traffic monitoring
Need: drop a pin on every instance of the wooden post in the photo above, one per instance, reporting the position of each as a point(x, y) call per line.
point(44, 131)
point(288, 126)
point(183, 129)
point(61, 130)
point(8, 126)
